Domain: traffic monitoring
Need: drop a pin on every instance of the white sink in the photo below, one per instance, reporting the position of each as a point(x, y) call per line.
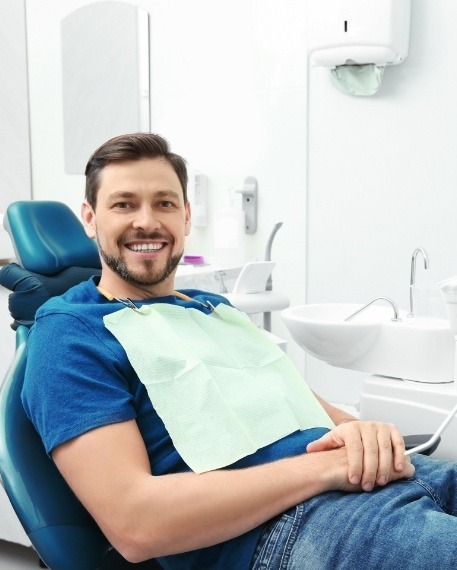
point(419, 349)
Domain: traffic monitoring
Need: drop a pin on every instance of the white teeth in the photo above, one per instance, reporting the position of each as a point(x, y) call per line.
point(146, 247)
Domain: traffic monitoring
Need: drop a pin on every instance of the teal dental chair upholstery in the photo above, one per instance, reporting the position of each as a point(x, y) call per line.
point(54, 254)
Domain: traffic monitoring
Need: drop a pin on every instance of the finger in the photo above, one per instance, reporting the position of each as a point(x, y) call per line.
point(324, 443)
point(398, 447)
point(409, 468)
point(355, 452)
point(406, 473)
point(370, 444)
point(385, 453)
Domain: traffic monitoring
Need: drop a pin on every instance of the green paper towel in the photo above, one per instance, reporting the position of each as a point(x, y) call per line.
point(355, 79)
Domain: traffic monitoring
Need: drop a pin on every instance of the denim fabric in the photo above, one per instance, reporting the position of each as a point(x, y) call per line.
point(410, 524)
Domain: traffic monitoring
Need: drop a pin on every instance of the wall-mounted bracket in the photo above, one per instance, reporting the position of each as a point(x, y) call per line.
point(249, 204)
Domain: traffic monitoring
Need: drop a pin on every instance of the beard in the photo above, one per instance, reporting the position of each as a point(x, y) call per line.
point(145, 278)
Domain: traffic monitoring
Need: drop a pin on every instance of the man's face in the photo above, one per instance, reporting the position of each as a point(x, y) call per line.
point(140, 223)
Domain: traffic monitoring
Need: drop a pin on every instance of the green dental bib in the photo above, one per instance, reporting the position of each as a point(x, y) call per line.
point(221, 387)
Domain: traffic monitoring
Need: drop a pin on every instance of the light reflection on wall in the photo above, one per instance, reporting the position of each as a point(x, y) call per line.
point(105, 77)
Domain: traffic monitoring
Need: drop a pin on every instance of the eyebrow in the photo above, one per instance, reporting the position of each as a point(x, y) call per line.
point(125, 194)
point(168, 194)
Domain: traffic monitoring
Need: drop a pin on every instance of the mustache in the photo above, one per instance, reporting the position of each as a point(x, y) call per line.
point(146, 236)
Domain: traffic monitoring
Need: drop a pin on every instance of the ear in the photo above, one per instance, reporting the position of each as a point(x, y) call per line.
point(188, 216)
point(88, 219)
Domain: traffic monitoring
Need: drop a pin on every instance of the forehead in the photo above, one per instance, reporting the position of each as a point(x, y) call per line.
point(152, 174)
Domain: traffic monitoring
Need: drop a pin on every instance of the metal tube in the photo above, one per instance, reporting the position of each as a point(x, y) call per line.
point(413, 276)
point(393, 304)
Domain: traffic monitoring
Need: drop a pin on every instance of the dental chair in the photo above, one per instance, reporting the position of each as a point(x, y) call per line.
point(53, 254)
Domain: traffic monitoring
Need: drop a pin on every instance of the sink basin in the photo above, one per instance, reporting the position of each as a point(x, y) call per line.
point(419, 349)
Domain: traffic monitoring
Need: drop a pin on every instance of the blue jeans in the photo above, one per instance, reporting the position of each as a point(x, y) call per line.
point(410, 524)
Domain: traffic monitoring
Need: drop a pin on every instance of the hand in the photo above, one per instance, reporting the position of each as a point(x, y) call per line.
point(375, 452)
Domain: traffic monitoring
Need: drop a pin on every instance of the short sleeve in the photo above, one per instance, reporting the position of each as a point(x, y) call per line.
point(74, 381)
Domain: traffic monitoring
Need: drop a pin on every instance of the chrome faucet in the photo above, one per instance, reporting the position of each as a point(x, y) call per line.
point(219, 275)
point(413, 276)
point(394, 307)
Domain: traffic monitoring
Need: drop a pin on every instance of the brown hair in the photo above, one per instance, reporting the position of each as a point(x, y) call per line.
point(131, 147)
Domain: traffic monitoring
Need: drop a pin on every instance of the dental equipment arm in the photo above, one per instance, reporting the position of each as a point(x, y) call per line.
point(435, 437)
point(269, 284)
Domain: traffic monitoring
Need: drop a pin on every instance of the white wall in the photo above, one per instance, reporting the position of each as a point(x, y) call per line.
point(14, 117)
point(15, 173)
point(383, 180)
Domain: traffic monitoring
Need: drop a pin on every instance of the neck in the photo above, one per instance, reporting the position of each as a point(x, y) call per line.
point(123, 290)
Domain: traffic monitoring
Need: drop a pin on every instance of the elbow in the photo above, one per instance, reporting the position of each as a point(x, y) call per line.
point(137, 546)
point(133, 553)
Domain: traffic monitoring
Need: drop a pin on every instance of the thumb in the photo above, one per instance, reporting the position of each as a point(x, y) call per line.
point(324, 443)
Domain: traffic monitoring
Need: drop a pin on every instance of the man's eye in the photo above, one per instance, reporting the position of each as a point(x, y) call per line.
point(122, 205)
point(166, 204)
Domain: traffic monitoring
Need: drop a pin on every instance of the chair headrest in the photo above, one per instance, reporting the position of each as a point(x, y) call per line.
point(30, 290)
point(48, 237)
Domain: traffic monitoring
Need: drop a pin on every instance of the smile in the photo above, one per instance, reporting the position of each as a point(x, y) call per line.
point(147, 247)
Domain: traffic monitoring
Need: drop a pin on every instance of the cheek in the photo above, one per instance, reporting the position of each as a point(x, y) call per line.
point(103, 240)
point(111, 235)
point(90, 232)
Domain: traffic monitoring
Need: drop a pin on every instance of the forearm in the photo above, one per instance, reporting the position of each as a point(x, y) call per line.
point(145, 516)
point(336, 415)
point(182, 512)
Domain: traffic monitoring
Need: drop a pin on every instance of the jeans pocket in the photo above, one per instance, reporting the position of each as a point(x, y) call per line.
point(277, 540)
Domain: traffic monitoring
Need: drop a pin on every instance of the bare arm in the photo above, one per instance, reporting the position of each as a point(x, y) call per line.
point(336, 415)
point(146, 516)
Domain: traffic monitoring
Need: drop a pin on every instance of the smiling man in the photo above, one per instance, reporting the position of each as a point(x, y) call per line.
point(140, 226)
point(186, 434)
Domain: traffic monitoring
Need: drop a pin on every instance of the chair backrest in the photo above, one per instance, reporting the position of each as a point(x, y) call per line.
point(54, 253)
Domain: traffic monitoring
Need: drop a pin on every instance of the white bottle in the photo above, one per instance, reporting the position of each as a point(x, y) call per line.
point(229, 235)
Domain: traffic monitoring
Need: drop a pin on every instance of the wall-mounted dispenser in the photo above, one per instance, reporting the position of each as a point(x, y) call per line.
point(249, 204)
point(197, 194)
point(359, 36)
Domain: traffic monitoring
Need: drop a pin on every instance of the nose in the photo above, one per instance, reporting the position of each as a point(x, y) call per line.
point(146, 219)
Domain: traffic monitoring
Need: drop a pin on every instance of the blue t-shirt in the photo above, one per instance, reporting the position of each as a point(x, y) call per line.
point(89, 382)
